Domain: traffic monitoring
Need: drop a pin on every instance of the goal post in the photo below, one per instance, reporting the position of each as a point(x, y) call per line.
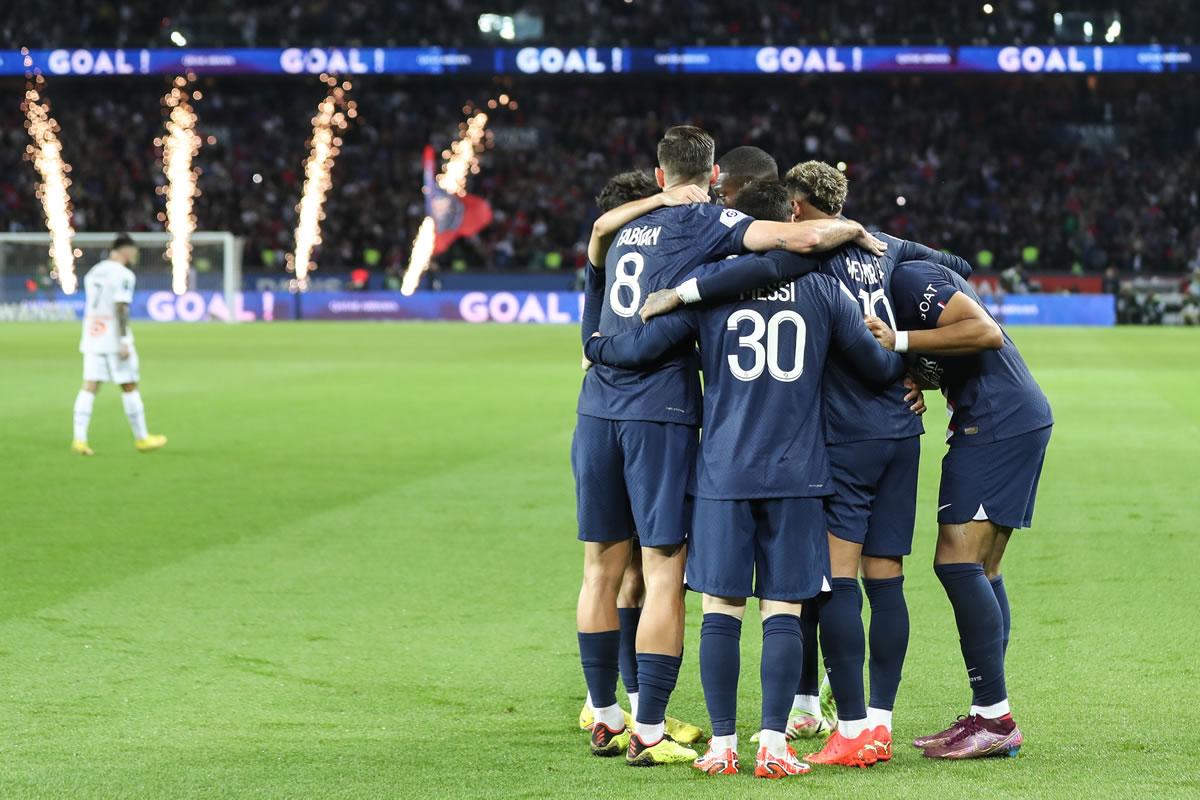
point(216, 263)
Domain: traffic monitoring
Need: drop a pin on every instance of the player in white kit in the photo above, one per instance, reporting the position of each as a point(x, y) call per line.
point(107, 346)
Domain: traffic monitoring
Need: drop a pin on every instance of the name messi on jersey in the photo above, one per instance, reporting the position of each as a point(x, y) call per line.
point(784, 292)
point(640, 236)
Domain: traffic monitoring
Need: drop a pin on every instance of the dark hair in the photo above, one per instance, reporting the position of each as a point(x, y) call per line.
point(122, 240)
point(765, 200)
point(822, 185)
point(749, 163)
point(625, 187)
point(686, 152)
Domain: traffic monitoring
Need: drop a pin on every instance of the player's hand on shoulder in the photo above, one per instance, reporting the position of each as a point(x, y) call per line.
point(664, 301)
point(915, 397)
point(866, 241)
point(683, 195)
point(882, 333)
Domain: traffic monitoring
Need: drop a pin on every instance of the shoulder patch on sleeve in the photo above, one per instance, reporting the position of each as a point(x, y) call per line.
point(731, 217)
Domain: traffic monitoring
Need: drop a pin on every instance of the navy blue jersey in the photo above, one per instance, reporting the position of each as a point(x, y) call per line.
point(763, 357)
point(853, 411)
point(655, 252)
point(991, 394)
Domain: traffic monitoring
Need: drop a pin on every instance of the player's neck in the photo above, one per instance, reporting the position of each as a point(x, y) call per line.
point(668, 184)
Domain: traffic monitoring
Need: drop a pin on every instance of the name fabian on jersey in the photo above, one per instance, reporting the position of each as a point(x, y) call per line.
point(640, 236)
point(784, 292)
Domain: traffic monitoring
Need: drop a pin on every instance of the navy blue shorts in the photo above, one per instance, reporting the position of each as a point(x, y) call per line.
point(996, 481)
point(874, 500)
point(774, 549)
point(631, 479)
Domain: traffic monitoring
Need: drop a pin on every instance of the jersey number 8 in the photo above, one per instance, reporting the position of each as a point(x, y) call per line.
point(766, 357)
point(627, 278)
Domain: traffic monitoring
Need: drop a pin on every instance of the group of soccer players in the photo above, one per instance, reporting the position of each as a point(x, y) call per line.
point(815, 340)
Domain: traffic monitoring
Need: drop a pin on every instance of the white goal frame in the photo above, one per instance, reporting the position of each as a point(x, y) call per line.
point(231, 252)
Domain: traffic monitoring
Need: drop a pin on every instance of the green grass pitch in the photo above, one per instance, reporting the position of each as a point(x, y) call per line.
point(352, 574)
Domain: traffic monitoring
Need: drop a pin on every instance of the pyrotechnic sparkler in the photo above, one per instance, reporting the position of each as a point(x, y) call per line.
point(459, 161)
point(332, 118)
point(179, 147)
point(46, 154)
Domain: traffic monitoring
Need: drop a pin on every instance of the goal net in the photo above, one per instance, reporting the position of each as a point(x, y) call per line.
point(27, 270)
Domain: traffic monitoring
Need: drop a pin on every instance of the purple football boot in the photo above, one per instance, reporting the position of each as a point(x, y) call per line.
point(940, 736)
point(980, 738)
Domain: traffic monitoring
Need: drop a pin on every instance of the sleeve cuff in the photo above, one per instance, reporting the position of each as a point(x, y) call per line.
point(689, 291)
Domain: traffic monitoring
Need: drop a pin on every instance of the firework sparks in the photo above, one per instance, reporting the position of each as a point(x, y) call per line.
point(460, 161)
point(46, 154)
point(331, 120)
point(179, 147)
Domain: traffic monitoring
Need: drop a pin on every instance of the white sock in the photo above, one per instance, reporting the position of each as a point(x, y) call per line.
point(612, 716)
point(135, 411)
point(993, 711)
point(808, 703)
point(774, 741)
point(851, 728)
point(719, 744)
point(633, 698)
point(83, 414)
point(877, 717)
point(650, 733)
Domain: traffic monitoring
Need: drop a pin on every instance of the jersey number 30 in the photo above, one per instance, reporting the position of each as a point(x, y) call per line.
point(766, 357)
point(629, 269)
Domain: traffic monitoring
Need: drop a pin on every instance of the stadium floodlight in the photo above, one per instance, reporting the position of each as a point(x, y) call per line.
point(27, 255)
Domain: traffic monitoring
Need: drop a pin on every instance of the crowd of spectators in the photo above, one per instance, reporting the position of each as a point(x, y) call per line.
point(133, 23)
point(1041, 173)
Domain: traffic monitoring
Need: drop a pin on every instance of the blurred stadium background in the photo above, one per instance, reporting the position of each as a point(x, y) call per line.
point(351, 574)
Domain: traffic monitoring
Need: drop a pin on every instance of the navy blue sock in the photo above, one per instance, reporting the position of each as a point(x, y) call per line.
point(809, 671)
point(598, 654)
point(656, 680)
point(889, 638)
point(720, 663)
point(1002, 598)
point(980, 629)
point(844, 647)
point(628, 655)
point(782, 651)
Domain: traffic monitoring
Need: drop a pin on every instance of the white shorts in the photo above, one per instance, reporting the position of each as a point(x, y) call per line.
point(110, 367)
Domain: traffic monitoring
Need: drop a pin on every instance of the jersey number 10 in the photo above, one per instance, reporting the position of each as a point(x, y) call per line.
point(871, 299)
point(766, 357)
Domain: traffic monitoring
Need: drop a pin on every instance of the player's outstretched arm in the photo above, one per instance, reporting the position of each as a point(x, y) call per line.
point(643, 347)
point(721, 281)
point(809, 236)
point(874, 365)
point(726, 279)
point(963, 327)
point(612, 221)
point(915, 251)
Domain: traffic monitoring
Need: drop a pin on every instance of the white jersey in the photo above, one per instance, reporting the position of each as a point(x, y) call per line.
point(106, 284)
